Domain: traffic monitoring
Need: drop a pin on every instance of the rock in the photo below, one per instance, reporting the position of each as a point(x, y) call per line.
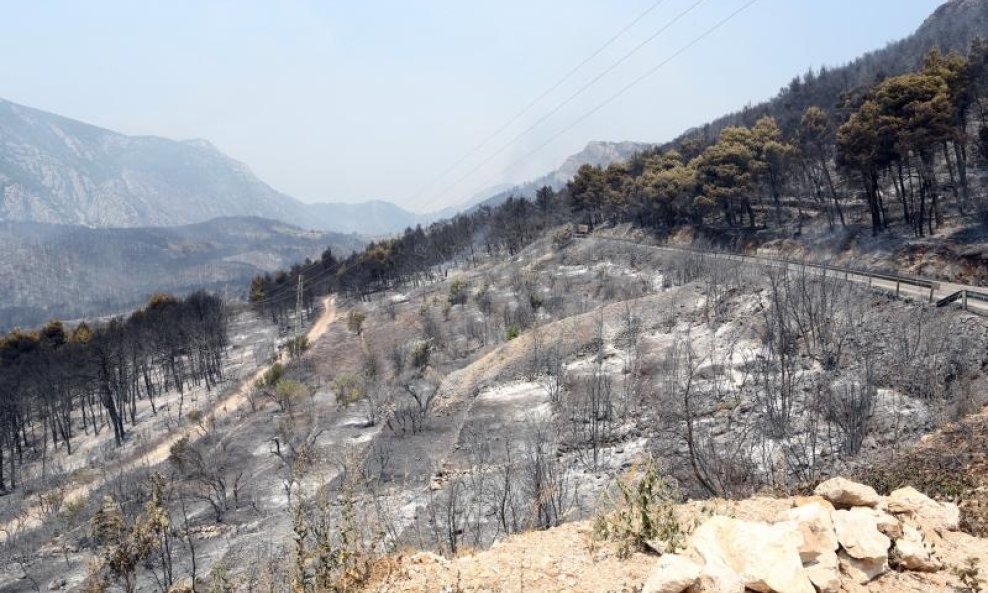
point(56, 584)
point(913, 553)
point(757, 556)
point(861, 571)
point(864, 549)
point(802, 501)
point(939, 515)
point(845, 493)
point(672, 574)
point(858, 534)
point(887, 524)
point(817, 528)
point(824, 573)
point(818, 551)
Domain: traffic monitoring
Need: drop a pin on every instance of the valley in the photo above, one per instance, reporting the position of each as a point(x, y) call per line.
point(747, 355)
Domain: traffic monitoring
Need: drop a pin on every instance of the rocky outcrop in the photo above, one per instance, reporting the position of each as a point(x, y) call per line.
point(756, 544)
point(847, 534)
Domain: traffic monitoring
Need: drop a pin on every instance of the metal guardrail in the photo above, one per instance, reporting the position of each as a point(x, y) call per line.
point(963, 296)
point(933, 286)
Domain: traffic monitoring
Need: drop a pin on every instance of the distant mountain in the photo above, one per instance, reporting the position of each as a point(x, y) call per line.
point(70, 272)
point(370, 219)
point(597, 153)
point(61, 171)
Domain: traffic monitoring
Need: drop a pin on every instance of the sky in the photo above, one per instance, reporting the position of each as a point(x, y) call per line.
point(387, 99)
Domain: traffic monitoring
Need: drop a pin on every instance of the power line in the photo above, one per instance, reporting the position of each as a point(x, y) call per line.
point(621, 92)
point(573, 96)
point(536, 100)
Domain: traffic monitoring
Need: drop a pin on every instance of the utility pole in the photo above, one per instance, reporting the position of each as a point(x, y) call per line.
point(296, 344)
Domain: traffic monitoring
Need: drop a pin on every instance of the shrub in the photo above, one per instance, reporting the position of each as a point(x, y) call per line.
point(355, 321)
point(271, 376)
point(562, 237)
point(645, 516)
point(349, 389)
point(458, 291)
point(513, 332)
point(298, 345)
point(419, 354)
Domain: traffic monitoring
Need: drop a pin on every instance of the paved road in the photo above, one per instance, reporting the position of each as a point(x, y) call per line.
point(928, 294)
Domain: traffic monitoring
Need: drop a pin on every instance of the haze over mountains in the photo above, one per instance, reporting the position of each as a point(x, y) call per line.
point(61, 171)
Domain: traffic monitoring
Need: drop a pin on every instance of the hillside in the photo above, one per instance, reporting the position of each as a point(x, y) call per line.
point(596, 153)
point(70, 272)
point(951, 27)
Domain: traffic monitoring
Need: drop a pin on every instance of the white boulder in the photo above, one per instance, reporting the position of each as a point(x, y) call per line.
point(912, 552)
point(757, 556)
point(912, 502)
point(864, 549)
point(845, 493)
point(672, 574)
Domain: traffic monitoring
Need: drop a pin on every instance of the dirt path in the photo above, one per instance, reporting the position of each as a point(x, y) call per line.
point(222, 407)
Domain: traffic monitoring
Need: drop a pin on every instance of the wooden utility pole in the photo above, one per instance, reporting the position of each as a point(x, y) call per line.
point(296, 344)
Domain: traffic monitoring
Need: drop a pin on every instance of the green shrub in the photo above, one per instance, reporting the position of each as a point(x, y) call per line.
point(419, 354)
point(458, 291)
point(271, 376)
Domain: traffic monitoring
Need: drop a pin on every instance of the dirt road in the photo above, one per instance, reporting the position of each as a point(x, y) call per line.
point(233, 401)
point(929, 294)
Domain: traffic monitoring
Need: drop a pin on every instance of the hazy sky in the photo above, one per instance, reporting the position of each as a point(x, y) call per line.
point(355, 100)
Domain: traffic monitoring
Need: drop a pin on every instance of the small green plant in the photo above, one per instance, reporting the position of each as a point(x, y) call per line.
point(349, 389)
point(969, 575)
point(419, 354)
point(513, 332)
point(288, 392)
point(72, 510)
point(298, 346)
point(458, 291)
point(271, 376)
point(645, 516)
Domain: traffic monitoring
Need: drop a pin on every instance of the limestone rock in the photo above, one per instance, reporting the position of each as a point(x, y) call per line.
point(817, 528)
point(887, 524)
point(672, 574)
point(861, 571)
point(864, 549)
point(913, 553)
point(940, 515)
point(757, 556)
point(818, 552)
point(845, 493)
point(858, 534)
point(824, 573)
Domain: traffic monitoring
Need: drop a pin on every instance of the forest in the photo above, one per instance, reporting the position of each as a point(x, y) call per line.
point(92, 376)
